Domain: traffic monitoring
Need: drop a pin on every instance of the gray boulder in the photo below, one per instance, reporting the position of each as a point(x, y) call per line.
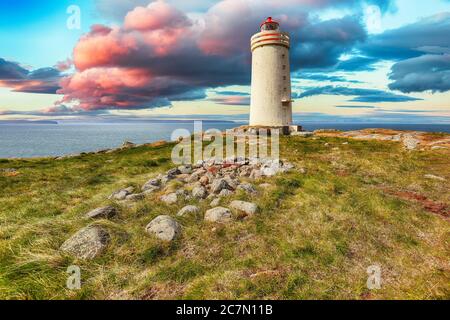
point(164, 228)
point(170, 198)
point(151, 184)
point(87, 243)
point(135, 197)
point(102, 213)
point(121, 194)
point(255, 174)
point(409, 142)
point(199, 192)
point(218, 214)
point(185, 169)
point(218, 185)
point(215, 203)
point(247, 188)
point(247, 207)
point(188, 210)
point(225, 193)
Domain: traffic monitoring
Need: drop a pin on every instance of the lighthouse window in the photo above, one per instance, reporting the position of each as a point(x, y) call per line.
point(284, 67)
point(283, 56)
point(284, 77)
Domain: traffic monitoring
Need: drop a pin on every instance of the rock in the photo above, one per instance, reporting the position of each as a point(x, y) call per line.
point(185, 169)
point(152, 183)
point(233, 183)
point(150, 190)
point(410, 142)
point(169, 198)
point(135, 197)
point(187, 210)
point(245, 171)
point(87, 243)
point(215, 202)
point(173, 172)
point(438, 148)
point(265, 185)
point(199, 192)
point(247, 187)
point(218, 185)
point(246, 207)
point(433, 177)
point(269, 171)
point(218, 214)
point(121, 194)
point(303, 134)
point(225, 193)
point(128, 144)
point(102, 213)
point(164, 228)
point(184, 177)
point(204, 180)
point(255, 174)
point(344, 143)
point(166, 178)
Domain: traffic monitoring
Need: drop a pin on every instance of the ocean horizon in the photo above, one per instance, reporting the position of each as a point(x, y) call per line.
point(31, 140)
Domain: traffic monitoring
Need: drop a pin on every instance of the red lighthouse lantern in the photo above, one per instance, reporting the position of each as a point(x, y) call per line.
point(270, 25)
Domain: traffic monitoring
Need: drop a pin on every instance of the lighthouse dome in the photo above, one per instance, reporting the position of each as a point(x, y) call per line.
point(270, 25)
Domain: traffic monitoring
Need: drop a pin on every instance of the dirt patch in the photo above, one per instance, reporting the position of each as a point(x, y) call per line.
point(429, 205)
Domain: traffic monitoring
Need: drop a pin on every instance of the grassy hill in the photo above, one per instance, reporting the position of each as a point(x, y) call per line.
point(356, 203)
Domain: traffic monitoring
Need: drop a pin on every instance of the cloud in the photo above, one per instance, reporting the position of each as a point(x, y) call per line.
point(356, 107)
point(361, 95)
point(412, 40)
point(233, 100)
point(323, 77)
point(427, 72)
point(160, 54)
point(20, 79)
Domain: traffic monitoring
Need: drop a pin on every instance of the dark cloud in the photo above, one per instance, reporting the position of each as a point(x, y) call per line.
point(427, 72)
point(322, 77)
point(431, 33)
point(19, 79)
point(361, 95)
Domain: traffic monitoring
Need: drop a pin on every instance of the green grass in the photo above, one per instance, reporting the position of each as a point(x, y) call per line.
point(314, 237)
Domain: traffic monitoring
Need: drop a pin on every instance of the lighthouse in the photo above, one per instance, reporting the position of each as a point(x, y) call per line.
point(271, 103)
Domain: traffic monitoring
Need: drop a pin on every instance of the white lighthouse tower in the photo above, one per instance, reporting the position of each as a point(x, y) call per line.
point(271, 103)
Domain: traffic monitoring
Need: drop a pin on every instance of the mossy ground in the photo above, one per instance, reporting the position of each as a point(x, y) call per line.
point(314, 238)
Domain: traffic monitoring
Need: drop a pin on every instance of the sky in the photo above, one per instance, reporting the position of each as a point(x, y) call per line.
point(351, 60)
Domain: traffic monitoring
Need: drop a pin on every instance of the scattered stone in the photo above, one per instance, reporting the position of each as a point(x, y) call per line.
point(173, 172)
point(121, 194)
point(215, 202)
point(438, 148)
point(150, 190)
point(87, 243)
point(410, 142)
point(255, 174)
point(135, 197)
point(433, 177)
point(218, 185)
point(225, 193)
point(233, 183)
point(151, 184)
point(187, 210)
point(164, 228)
point(247, 207)
point(185, 169)
point(344, 143)
point(169, 199)
point(204, 180)
point(304, 134)
point(128, 144)
point(166, 178)
point(265, 185)
point(199, 192)
point(102, 213)
point(247, 187)
point(218, 214)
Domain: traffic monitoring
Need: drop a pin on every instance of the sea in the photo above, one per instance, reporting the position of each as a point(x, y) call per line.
point(29, 140)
